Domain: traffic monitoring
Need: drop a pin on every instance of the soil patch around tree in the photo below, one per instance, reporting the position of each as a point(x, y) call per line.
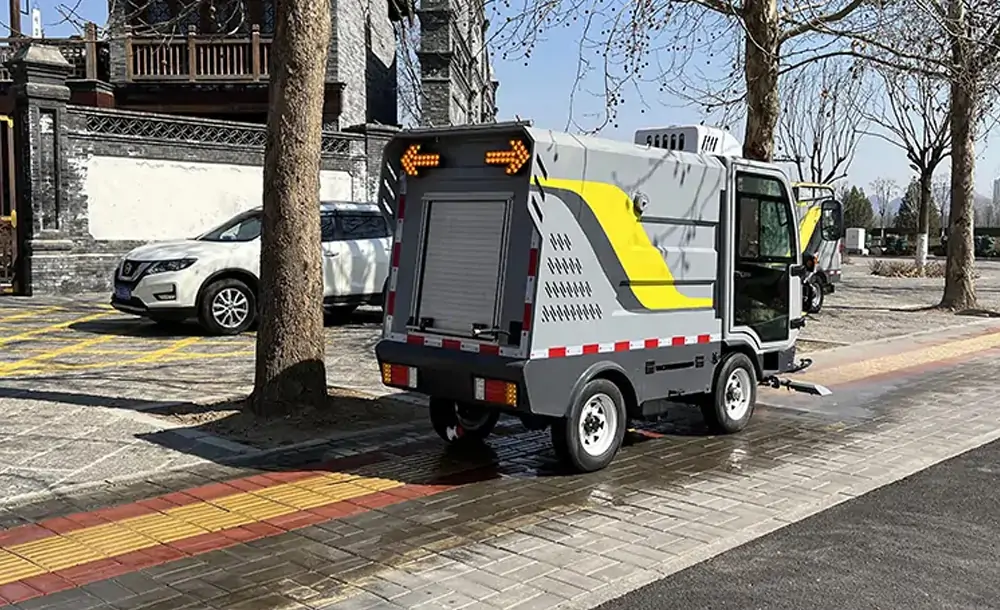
point(347, 411)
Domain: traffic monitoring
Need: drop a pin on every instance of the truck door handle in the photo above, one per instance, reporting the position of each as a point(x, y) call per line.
point(331, 254)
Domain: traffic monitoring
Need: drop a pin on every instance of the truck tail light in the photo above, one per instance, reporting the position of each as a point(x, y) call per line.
point(399, 375)
point(498, 392)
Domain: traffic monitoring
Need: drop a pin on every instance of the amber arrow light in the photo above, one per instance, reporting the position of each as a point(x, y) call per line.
point(413, 159)
point(514, 159)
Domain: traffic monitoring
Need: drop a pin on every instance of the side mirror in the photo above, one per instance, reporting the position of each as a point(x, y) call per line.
point(832, 220)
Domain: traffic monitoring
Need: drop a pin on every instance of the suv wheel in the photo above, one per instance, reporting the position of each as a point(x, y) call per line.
point(228, 307)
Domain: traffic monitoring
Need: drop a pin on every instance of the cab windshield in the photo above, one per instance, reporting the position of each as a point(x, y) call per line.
point(242, 227)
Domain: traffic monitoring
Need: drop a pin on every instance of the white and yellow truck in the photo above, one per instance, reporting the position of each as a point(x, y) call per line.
point(822, 241)
point(577, 282)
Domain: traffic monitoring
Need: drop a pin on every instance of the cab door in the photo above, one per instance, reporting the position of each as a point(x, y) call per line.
point(764, 298)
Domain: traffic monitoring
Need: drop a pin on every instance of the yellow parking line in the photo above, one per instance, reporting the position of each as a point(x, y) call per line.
point(34, 313)
point(42, 358)
point(53, 327)
point(156, 355)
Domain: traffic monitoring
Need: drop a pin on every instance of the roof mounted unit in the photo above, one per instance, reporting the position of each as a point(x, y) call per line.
point(699, 139)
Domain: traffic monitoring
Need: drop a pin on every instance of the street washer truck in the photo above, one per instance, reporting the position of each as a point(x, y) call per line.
point(577, 282)
point(821, 241)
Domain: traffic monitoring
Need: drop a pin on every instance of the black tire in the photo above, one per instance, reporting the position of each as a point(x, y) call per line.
point(457, 423)
point(726, 413)
point(340, 313)
point(813, 295)
point(601, 402)
point(213, 301)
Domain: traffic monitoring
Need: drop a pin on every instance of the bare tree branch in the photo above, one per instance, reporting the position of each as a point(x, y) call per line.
point(822, 119)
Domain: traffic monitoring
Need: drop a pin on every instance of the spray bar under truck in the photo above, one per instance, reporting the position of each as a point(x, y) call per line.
point(577, 282)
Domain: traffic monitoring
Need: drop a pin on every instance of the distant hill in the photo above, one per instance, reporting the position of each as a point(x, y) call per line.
point(980, 200)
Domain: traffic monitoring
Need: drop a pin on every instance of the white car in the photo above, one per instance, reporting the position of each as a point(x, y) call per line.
point(214, 277)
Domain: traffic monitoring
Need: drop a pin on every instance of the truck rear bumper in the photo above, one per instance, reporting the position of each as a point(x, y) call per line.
point(452, 374)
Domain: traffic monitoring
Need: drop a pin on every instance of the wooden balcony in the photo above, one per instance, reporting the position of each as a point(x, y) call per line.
point(84, 53)
point(197, 58)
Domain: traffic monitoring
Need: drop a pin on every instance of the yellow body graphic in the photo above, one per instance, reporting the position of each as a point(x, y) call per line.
point(643, 263)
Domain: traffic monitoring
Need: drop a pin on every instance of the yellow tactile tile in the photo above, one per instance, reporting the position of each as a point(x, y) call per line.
point(255, 507)
point(376, 484)
point(111, 539)
point(55, 553)
point(162, 527)
point(292, 495)
point(13, 568)
point(338, 492)
point(206, 516)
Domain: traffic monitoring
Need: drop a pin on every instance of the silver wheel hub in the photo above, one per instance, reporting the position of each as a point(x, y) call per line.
point(230, 307)
point(598, 425)
point(738, 393)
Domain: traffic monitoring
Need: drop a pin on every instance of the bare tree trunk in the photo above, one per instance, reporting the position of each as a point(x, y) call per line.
point(291, 370)
point(923, 219)
point(959, 284)
point(761, 74)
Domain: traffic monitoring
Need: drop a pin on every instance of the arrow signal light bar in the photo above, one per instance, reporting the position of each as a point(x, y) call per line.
point(413, 159)
point(514, 158)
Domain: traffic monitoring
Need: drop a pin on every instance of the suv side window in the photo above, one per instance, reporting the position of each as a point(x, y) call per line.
point(328, 227)
point(361, 225)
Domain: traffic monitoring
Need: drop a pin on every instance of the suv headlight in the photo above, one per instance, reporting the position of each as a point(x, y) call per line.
point(171, 265)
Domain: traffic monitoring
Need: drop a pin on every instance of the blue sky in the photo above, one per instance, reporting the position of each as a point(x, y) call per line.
point(541, 92)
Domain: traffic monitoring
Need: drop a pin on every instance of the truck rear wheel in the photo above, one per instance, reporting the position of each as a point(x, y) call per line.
point(591, 436)
point(456, 422)
point(730, 406)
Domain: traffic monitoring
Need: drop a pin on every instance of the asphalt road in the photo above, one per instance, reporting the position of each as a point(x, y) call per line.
point(928, 541)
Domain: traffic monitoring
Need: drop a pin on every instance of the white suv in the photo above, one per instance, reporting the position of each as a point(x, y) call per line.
point(214, 277)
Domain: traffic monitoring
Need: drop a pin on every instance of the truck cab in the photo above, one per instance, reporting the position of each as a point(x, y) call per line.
point(578, 282)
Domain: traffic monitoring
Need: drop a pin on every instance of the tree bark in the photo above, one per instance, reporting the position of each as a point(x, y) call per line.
point(761, 75)
point(291, 369)
point(923, 219)
point(959, 283)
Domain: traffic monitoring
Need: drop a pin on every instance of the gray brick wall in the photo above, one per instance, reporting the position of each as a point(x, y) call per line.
point(56, 139)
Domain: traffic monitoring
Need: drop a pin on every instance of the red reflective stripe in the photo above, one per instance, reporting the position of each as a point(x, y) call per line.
point(704, 338)
point(622, 346)
point(592, 348)
point(395, 254)
point(557, 352)
point(451, 344)
point(390, 303)
point(532, 262)
point(415, 339)
point(652, 343)
point(489, 349)
point(678, 341)
point(401, 207)
point(526, 319)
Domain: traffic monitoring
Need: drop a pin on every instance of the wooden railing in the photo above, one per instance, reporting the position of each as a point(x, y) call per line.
point(82, 53)
point(197, 57)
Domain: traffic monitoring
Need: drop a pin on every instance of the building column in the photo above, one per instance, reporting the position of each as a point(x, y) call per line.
point(376, 138)
point(40, 94)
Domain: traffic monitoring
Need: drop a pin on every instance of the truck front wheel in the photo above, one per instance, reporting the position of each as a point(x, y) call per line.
point(591, 436)
point(455, 422)
point(730, 405)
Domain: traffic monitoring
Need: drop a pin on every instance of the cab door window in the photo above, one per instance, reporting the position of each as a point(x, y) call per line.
point(765, 236)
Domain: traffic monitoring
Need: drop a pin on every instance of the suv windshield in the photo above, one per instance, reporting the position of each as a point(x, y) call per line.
point(242, 227)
